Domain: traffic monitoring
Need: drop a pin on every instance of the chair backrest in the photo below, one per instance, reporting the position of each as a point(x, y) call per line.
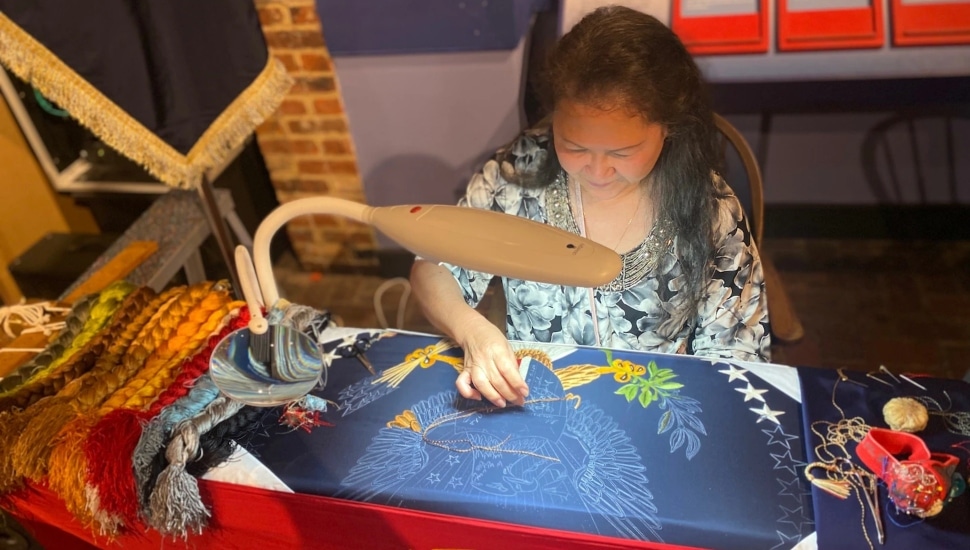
point(911, 158)
point(753, 172)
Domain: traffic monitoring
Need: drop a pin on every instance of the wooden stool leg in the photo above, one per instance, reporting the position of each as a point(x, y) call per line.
point(785, 325)
point(194, 268)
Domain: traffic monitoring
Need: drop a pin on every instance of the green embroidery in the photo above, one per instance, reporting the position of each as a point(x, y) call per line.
point(652, 384)
point(659, 384)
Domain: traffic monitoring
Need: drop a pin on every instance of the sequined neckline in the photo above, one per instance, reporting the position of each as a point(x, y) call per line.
point(637, 263)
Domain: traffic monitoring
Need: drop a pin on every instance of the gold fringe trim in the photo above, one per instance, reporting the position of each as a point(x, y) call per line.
point(35, 64)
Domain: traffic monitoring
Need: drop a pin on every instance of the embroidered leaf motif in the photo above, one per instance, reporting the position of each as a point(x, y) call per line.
point(645, 398)
point(629, 391)
point(654, 384)
point(694, 423)
point(677, 439)
point(693, 445)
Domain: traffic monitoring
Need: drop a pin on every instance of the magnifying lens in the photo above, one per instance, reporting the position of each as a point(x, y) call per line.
point(296, 366)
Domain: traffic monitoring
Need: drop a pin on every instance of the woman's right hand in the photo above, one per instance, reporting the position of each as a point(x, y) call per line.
point(491, 369)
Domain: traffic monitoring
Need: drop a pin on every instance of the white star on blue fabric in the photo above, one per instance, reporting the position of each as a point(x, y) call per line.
point(764, 413)
point(734, 373)
point(751, 393)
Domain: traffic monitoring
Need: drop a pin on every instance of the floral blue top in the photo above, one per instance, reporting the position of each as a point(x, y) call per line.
point(731, 320)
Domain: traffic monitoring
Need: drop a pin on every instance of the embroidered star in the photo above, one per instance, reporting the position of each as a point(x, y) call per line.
point(452, 460)
point(786, 540)
point(778, 436)
point(764, 413)
point(734, 373)
point(794, 516)
point(434, 478)
point(792, 488)
point(751, 393)
point(787, 462)
point(454, 482)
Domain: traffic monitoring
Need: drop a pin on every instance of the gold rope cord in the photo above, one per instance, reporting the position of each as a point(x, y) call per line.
point(35, 64)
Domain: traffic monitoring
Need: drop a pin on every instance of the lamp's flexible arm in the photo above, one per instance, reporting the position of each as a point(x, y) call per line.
point(480, 240)
point(286, 212)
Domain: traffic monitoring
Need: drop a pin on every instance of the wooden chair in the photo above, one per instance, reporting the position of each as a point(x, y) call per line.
point(785, 325)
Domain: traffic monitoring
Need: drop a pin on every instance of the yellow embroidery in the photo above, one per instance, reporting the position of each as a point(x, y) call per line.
point(424, 358)
point(406, 420)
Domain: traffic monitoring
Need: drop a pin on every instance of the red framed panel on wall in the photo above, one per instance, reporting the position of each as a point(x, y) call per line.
point(930, 22)
point(805, 25)
point(709, 27)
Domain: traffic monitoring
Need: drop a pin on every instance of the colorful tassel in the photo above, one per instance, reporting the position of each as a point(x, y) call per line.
point(176, 507)
point(156, 433)
point(185, 398)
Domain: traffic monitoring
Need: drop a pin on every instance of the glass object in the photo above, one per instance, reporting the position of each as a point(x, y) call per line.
point(294, 365)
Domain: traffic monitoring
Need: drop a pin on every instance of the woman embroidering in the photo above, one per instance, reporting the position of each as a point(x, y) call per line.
point(629, 158)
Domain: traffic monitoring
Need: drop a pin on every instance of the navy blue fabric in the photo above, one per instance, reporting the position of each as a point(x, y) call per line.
point(838, 522)
point(696, 466)
point(382, 27)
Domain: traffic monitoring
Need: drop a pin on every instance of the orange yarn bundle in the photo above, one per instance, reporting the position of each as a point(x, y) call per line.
point(184, 338)
point(32, 449)
point(82, 363)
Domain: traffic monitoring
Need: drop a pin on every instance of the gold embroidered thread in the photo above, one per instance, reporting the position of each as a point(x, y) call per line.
point(424, 358)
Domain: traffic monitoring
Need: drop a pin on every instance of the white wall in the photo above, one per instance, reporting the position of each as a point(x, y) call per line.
point(422, 123)
point(818, 159)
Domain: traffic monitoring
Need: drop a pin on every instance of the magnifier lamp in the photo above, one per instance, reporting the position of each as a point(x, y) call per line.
point(267, 366)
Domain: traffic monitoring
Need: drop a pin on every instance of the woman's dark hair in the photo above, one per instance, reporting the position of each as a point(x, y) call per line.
point(617, 57)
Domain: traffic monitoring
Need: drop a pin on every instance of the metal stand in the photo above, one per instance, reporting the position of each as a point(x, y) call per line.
point(221, 233)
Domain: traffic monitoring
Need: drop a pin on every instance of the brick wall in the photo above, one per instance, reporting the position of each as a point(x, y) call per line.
point(307, 143)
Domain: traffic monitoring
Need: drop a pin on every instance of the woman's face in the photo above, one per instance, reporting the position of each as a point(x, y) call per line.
point(606, 151)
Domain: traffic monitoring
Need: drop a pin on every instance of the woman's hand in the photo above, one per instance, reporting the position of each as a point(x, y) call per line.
point(491, 370)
